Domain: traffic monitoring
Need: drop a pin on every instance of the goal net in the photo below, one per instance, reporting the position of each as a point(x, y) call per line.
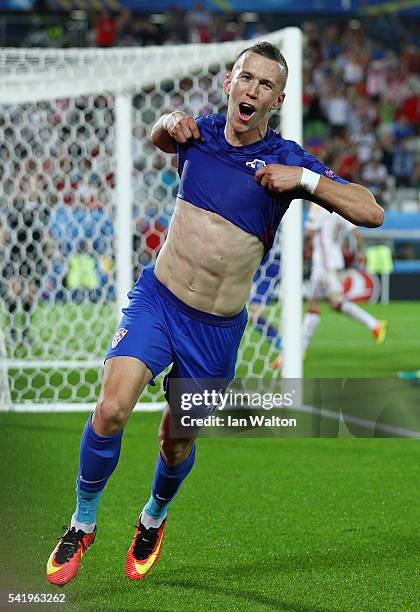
point(86, 201)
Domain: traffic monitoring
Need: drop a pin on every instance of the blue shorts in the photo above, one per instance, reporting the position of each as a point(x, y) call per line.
point(159, 329)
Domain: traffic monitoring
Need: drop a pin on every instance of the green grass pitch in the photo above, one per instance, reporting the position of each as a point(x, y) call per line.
point(273, 524)
point(260, 524)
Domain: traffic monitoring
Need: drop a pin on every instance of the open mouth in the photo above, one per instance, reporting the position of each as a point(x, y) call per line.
point(246, 111)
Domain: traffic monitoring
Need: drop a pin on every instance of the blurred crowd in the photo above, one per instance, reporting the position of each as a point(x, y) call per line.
point(361, 83)
point(361, 116)
point(362, 107)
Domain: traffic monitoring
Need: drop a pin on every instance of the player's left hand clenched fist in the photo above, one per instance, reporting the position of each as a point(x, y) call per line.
point(279, 178)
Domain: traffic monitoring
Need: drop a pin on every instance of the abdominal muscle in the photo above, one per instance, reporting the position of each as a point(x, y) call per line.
point(208, 262)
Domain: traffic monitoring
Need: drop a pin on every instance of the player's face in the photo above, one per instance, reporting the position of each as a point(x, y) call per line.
point(255, 86)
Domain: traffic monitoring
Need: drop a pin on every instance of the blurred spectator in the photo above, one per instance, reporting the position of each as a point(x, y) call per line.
point(395, 81)
point(124, 29)
point(146, 33)
point(403, 165)
point(386, 111)
point(23, 235)
point(376, 80)
point(365, 143)
point(174, 27)
point(352, 66)
point(410, 60)
point(415, 179)
point(199, 23)
point(105, 30)
point(332, 42)
point(336, 108)
point(402, 129)
point(82, 277)
point(410, 105)
point(348, 164)
point(387, 147)
point(375, 175)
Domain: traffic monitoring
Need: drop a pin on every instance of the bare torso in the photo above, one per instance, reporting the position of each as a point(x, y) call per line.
point(208, 262)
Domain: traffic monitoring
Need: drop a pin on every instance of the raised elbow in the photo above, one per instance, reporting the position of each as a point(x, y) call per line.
point(373, 214)
point(375, 217)
point(379, 216)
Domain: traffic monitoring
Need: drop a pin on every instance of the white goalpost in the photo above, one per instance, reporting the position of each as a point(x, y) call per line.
point(86, 201)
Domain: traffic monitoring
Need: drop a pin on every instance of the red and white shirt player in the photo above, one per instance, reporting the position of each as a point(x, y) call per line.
point(330, 231)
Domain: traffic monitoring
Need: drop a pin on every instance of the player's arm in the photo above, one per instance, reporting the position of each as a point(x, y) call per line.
point(353, 202)
point(176, 127)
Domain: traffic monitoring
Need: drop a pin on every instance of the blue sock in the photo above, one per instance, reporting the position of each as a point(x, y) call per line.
point(98, 459)
point(269, 331)
point(166, 482)
point(87, 506)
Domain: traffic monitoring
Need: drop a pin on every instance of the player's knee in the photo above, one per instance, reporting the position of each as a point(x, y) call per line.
point(336, 305)
point(174, 451)
point(110, 416)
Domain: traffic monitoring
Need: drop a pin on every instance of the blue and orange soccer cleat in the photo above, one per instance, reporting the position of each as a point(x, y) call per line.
point(144, 551)
point(64, 560)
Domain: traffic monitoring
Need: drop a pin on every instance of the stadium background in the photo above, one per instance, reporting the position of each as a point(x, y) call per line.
point(339, 519)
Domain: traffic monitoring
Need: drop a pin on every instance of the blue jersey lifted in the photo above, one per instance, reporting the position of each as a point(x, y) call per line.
point(219, 177)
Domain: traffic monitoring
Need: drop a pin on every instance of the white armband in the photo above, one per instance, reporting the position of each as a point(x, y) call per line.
point(309, 180)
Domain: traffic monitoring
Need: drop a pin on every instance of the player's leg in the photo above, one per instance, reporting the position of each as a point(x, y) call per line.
point(99, 454)
point(205, 350)
point(378, 328)
point(312, 317)
point(311, 320)
point(174, 463)
point(140, 349)
point(340, 304)
point(101, 439)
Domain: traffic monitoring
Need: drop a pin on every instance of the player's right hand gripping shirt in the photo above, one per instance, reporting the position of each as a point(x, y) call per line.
point(219, 177)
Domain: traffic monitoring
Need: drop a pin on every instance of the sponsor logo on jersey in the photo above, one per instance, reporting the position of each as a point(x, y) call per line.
point(256, 163)
point(118, 336)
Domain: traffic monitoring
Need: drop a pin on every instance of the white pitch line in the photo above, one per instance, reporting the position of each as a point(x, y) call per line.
point(366, 423)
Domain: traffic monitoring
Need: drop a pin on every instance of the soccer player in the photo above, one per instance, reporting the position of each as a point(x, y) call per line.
point(327, 232)
point(238, 178)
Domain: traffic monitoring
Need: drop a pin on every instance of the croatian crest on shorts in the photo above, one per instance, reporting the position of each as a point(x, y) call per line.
point(256, 163)
point(118, 336)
